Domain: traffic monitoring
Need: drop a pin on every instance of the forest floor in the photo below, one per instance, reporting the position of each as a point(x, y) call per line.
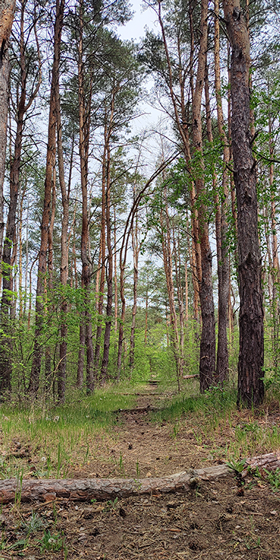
point(217, 519)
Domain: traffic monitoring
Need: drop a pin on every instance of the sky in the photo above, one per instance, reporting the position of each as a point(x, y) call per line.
point(135, 29)
point(143, 18)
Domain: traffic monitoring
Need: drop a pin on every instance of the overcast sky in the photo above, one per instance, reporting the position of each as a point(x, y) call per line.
point(135, 29)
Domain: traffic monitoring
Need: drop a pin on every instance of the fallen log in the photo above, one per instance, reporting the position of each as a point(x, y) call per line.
point(269, 461)
point(47, 490)
point(102, 489)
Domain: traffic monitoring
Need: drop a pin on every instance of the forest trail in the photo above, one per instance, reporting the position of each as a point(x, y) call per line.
point(141, 444)
point(216, 518)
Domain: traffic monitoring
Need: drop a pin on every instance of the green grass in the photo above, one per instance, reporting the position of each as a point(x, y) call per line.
point(59, 440)
point(59, 436)
point(213, 402)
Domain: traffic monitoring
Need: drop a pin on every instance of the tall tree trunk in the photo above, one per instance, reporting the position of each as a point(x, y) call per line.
point(122, 318)
point(251, 334)
point(9, 249)
point(207, 342)
point(223, 265)
point(7, 9)
point(20, 253)
point(103, 257)
point(135, 250)
point(109, 308)
point(115, 272)
point(49, 285)
point(181, 120)
point(65, 193)
point(84, 127)
point(168, 268)
point(177, 262)
point(51, 149)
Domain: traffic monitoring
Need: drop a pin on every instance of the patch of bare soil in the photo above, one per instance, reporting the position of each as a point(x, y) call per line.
point(217, 519)
point(139, 447)
point(214, 520)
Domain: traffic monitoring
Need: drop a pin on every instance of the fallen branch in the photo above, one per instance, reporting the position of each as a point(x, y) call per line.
point(47, 490)
point(141, 409)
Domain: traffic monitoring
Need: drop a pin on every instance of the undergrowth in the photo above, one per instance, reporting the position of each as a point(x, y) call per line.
point(45, 441)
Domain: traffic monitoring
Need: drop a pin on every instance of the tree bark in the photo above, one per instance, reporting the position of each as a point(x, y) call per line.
point(103, 256)
point(104, 489)
point(86, 490)
point(109, 308)
point(115, 272)
point(7, 10)
point(135, 250)
point(168, 268)
point(223, 265)
point(207, 342)
point(61, 372)
point(49, 287)
point(51, 149)
point(84, 127)
point(251, 334)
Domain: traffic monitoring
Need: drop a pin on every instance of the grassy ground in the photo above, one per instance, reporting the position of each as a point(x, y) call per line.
point(88, 434)
point(141, 431)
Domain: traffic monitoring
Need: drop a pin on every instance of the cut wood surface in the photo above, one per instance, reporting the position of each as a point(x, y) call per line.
point(46, 490)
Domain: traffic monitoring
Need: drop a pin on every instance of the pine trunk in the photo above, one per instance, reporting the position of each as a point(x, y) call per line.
point(7, 10)
point(83, 151)
point(251, 334)
point(61, 372)
point(109, 308)
point(207, 342)
point(223, 264)
point(51, 149)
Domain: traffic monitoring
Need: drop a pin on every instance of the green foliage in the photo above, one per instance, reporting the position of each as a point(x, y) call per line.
point(35, 523)
point(273, 478)
point(237, 466)
point(51, 542)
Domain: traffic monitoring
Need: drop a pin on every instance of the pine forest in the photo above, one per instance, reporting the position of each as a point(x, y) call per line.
point(139, 232)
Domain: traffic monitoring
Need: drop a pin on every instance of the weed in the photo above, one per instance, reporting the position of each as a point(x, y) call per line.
point(198, 437)
point(86, 454)
point(111, 505)
point(176, 429)
point(121, 465)
point(34, 524)
point(54, 514)
point(236, 466)
point(137, 469)
point(52, 543)
point(273, 479)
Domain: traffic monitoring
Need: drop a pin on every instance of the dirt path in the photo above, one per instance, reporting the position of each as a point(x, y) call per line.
point(139, 446)
point(216, 519)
